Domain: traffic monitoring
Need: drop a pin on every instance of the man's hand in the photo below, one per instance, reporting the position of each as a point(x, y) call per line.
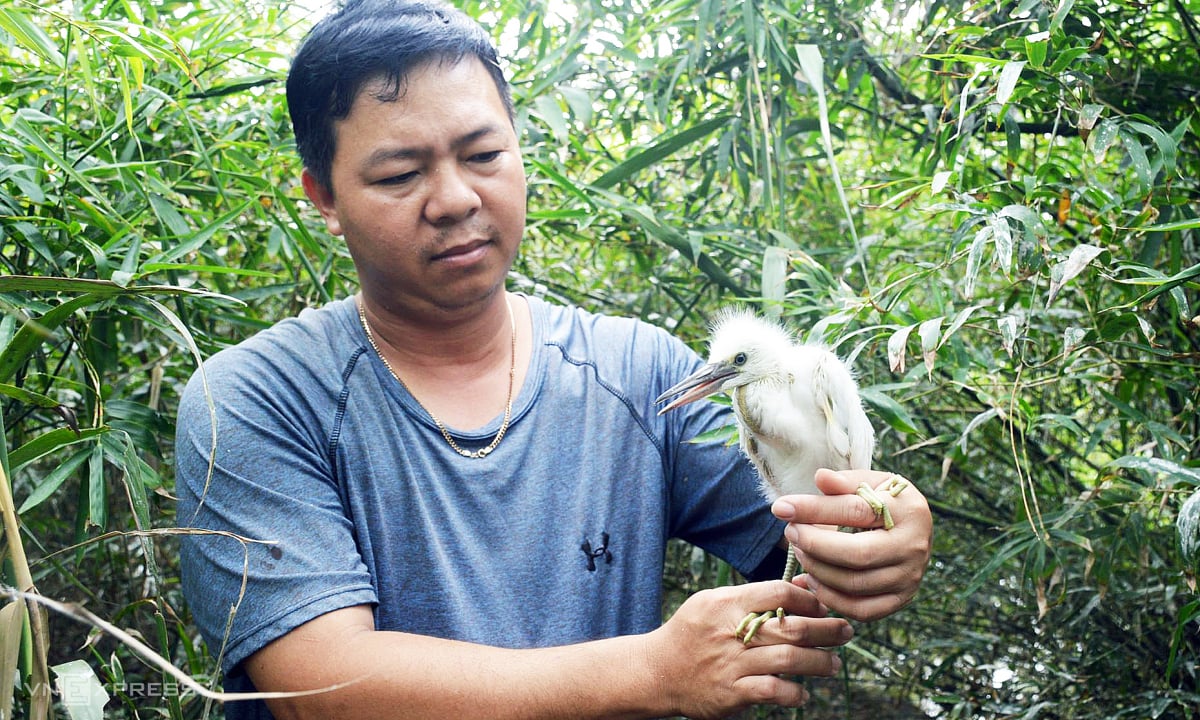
point(866, 575)
point(705, 671)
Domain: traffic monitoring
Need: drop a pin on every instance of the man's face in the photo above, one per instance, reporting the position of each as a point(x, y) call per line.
point(428, 190)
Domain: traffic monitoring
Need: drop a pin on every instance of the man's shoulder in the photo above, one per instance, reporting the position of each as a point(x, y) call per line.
point(629, 356)
point(297, 352)
point(313, 335)
point(571, 327)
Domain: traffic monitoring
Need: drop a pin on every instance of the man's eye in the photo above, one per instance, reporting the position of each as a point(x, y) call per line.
point(401, 179)
point(485, 157)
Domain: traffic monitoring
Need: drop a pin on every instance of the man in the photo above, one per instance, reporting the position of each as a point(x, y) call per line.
point(453, 501)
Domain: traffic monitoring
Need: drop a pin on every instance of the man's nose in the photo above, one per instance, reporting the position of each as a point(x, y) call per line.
point(451, 195)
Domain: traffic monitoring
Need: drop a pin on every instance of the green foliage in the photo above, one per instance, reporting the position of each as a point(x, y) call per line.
point(991, 206)
point(148, 216)
point(1013, 265)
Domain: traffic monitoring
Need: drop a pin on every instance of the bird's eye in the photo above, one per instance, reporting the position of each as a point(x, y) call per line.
point(739, 359)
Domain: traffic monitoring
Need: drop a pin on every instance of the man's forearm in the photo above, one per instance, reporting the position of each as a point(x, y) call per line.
point(401, 675)
point(692, 665)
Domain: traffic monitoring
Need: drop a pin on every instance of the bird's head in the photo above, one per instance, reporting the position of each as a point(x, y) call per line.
point(742, 349)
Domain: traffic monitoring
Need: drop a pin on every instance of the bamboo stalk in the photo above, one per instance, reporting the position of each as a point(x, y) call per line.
point(39, 707)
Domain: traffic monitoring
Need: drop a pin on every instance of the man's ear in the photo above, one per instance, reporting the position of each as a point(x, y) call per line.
point(322, 197)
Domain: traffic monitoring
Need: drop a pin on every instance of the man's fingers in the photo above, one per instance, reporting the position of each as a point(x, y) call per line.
point(862, 575)
point(804, 632)
point(837, 510)
point(771, 690)
point(772, 594)
point(855, 606)
point(855, 580)
point(840, 505)
point(785, 659)
point(861, 551)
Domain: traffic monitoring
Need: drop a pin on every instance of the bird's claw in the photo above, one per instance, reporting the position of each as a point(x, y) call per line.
point(752, 622)
point(894, 486)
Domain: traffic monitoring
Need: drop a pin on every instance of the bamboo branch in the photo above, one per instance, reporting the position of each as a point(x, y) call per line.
point(83, 615)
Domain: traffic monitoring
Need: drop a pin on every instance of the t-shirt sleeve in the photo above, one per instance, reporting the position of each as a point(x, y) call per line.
point(714, 495)
point(267, 545)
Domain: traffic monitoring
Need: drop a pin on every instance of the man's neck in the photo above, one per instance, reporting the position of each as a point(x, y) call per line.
point(459, 369)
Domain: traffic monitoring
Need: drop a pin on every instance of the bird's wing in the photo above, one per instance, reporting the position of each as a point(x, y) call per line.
point(862, 438)
point(836, 428)
point(851, 436)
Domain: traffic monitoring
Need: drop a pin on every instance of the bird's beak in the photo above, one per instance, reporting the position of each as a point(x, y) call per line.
point(706, 381)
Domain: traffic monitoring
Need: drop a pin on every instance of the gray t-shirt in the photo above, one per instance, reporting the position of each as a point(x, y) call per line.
point(556, 537)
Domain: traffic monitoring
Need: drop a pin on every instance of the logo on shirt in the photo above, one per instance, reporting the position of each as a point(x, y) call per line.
point(601, 551)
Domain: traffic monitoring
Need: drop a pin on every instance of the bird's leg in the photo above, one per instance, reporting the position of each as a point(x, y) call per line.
point(894, 486)
point(753, 621)
point(793, 564)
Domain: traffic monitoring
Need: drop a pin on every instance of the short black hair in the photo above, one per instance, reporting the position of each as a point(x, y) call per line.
point(368, 40)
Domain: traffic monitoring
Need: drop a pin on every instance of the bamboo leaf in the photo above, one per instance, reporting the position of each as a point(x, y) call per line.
point(1014, 547)
point(1187, 615)
point(52, 481)
point(1003, 240)
point(1162, 284)
point(1060, 14)
point(1102, 139)
point(82, 694)
point(1036, 47)
point(892, 412)
point(97, 488)
point(12, 621)
point(1138, 159)
point(1009, 75)
point(1188, 224)
point(98, 288)
point(897, 348)
point(1167, 146)
point(813, 67)
point(1081, 256)
point(30, 36)
point(194, 240)
point(1153, 467)
point(774, 280)
point(27, 396)
point(974, 424)
point(1010, 329)
point(662, 148)
point(975, 259)
point(930, 332)
point(34, 333)
point(551, 113)
point(126, 101)
point(1089, 115)
point(49, 442)
point(939, 181)
point(136, 480)
point(959, 320)
point(171, 220)
point(150, 268)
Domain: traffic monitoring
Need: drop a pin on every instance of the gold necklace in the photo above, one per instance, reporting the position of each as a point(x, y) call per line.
point(512, 373)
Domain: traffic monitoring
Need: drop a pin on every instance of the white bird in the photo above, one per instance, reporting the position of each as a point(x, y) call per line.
point(797, 408)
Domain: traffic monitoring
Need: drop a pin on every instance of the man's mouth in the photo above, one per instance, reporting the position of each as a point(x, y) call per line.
point(465, 249)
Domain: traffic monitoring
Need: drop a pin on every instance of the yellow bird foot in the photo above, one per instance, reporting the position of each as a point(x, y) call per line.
point(752, 622)
point(894, 486)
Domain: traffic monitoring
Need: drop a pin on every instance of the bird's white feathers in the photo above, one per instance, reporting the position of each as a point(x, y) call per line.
point(797, 405)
